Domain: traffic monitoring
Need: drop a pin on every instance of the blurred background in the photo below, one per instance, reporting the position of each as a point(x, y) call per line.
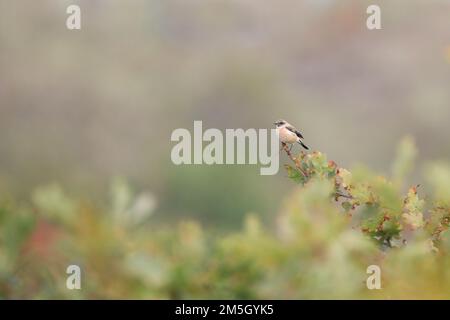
point(86, 118)
point(81, 107)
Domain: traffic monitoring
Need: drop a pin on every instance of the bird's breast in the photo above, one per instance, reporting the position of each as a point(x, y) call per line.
point(286, 135)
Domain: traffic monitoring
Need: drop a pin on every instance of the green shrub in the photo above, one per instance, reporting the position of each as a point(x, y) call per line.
point(333, 226)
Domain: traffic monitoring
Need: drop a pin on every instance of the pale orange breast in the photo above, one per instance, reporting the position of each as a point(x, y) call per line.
point(287, 136)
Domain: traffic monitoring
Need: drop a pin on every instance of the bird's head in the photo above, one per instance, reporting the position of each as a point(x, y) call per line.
point(279, 123)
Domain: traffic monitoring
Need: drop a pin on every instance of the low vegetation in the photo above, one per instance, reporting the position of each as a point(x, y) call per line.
point(334, 225)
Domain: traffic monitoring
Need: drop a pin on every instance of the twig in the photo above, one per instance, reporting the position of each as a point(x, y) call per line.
point(297, 165)
point(348, 196)
point(288, 152)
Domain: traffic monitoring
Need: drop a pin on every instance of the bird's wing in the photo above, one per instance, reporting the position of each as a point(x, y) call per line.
point(292, 129)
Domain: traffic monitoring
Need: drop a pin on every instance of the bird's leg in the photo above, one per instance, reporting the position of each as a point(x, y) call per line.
point(291, 147)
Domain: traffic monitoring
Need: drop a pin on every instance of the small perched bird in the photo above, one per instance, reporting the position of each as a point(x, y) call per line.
point(288, 133)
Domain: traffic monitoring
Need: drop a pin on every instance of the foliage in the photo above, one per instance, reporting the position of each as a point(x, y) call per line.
point(329, 230)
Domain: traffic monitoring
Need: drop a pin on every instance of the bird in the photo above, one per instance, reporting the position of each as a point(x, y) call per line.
point(288, 133)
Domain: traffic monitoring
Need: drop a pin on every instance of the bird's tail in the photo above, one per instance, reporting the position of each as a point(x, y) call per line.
point(303, 145)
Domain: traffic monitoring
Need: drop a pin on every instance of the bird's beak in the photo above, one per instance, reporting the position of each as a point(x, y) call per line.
point(275, 123)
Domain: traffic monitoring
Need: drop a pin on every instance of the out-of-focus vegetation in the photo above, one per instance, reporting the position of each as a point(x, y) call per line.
point(330, 229)
point(81, 107)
